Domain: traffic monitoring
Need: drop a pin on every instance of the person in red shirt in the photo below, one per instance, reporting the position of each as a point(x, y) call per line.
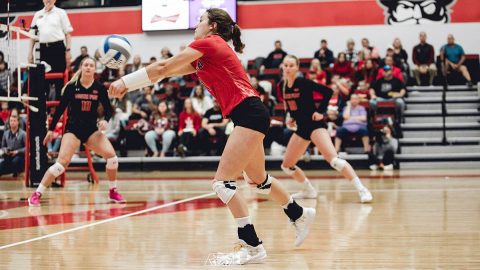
point(342, 67)
point(188, 127)
point(5, 112)
point(220, 70)
point(397, 72)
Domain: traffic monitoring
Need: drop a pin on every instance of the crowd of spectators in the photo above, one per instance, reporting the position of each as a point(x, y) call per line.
point(179, 117)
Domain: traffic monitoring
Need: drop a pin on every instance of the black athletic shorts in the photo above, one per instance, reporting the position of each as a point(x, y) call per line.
point(251, 113)
point(82, 133)
point(305, 128)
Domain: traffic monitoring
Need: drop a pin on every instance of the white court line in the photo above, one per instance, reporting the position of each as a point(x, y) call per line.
point(106, 221)
point(245, 187)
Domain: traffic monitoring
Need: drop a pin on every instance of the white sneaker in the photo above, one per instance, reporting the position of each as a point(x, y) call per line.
point(388, 167)
point(365, 195)
point(307, 193)
point(302, 225)
point(243, 254)
point(373, 167)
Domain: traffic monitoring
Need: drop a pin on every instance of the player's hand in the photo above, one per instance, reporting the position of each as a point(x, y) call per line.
point(48, 137)
point(316, 116)
point(102, 125)
point(117, 89)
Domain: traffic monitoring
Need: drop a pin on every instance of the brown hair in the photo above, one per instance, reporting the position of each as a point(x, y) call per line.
point(226, 27)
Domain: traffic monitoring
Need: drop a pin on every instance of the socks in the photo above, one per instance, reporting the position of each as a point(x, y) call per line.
point(307, 184)
point(41, 188)
point(293, 210)
point(112, 184)
point(242, 222)
point(357, 183)
point(249, 235)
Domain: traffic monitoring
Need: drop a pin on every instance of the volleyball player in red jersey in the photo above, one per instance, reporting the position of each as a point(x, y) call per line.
point(220, 70)
point(298, 96)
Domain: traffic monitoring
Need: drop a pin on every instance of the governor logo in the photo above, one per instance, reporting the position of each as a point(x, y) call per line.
point(408, 12)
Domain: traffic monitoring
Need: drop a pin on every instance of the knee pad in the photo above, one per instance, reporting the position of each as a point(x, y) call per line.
point(224, 189)
point(112, 163)
point(289, 170)
point(263, 188)
point(338, 163)
point(56, 169)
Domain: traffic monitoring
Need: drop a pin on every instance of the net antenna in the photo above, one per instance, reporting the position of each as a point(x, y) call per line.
point(12, 58)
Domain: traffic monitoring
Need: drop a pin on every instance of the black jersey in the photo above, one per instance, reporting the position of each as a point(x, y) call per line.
point(82, 105)
point(299, 98)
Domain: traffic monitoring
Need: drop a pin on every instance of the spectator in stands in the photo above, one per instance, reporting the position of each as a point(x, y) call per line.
point(212, 134)
point(136, 64)
point(13, 147)
point(99, 67)
point(354, 123)
point(454, 57)
point(388, 88)
point(324, 54)
point(5, 112)
point(258, 87)
point(320, 74)
point(114, 125)
point(362, 91)
point(189, 124)
point(342, 67)
point(201, 103)
point(164, 123)
point(367, 73)
point(165, 53)
point(152, 60)
point(173, 102)
point(333, 121)
point(4, 75)
point(343, 86)
point(123, 107)
point(424, 60)
point(54, 144)
point(384, 149)
point(110, 75)
point(145, 104)
point(400, 58)
point(83, 53)
point(350, 53)
point(370, 52)
point(274, 58)
point(396, 71)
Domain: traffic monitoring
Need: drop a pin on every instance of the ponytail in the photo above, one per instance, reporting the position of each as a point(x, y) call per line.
point(237, 42)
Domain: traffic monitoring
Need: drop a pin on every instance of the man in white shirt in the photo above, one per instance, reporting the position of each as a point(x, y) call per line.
point(54, 30)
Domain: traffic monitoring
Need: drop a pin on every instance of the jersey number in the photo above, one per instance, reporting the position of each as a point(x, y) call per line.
point(292, 105)
point(86, 105)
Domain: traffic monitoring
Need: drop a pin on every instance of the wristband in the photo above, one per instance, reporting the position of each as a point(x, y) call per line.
point(136, 80)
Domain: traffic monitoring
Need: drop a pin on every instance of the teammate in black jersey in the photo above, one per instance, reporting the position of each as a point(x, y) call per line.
point(310, 126)
point(82, 95)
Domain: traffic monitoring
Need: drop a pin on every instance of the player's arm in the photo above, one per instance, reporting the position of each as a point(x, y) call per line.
point(326, 93)
point(178, 65)
point(107, 106)
point(64, 101)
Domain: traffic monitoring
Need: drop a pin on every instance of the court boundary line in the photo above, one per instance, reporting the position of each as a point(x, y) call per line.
point(105, 221)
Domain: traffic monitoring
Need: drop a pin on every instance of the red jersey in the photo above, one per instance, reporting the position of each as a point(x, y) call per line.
point(220, 70)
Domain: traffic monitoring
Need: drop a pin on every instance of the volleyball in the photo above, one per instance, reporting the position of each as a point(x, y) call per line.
point(115, 50)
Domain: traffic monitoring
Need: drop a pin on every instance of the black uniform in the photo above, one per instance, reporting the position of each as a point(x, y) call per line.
point(82, 106)
point(300, 104)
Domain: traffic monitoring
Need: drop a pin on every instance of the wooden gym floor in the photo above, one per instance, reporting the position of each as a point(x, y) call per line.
point(418, 220)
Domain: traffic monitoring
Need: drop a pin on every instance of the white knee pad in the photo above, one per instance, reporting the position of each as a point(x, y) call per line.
point(112, 163)
point(338, 163)
point(56, 169)
point(289, 170)
point(263, 188)
point(224, 189)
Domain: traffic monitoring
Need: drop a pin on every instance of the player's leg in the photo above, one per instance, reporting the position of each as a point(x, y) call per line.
point(100, 144)
point(322, 141)
point(255, 174)
point(233, 161)
point(69, 146)
point(295, 148)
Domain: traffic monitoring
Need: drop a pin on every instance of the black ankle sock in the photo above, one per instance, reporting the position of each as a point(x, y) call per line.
point(249, 235)
point(294, 211)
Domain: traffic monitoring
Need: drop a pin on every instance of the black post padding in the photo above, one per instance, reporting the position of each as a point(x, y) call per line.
point(38, 126)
